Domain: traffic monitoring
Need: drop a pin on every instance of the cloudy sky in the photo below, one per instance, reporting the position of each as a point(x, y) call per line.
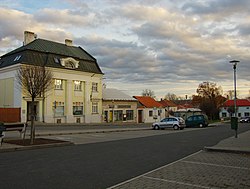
point(168, 46)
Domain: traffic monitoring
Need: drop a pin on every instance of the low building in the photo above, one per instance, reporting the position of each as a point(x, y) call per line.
point(186, 112)
point(118, 106)
point(77, 92)
point(170, 107)
point(242, 106)
point(149, 110)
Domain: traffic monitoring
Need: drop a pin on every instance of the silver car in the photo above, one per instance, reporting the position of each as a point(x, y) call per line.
point(170, 122)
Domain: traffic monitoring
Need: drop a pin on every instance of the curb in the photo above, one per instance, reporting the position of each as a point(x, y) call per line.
point(89, 132)
point(21, 148)
point(226, 150)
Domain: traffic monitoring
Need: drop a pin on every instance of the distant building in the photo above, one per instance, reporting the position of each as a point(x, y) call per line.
point(186, 112)
point(243, 108)
point(149, 110)
point(118, 106)
point(77, 93)
point(169, 106)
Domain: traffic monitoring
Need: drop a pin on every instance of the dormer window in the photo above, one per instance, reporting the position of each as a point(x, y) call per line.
point(57, 60)
point(70, 63)
point(17, 58)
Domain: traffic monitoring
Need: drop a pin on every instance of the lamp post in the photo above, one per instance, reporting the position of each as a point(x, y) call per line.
point(235, 124)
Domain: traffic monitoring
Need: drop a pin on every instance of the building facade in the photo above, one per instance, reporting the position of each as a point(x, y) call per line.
point(76, 96)
point(242, 105)
point(118, 106)
point(149, 110)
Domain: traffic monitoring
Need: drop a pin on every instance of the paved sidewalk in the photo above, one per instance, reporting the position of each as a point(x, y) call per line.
point(51, 130)
point(234, 145)
point(200, 170)
point(210, 168)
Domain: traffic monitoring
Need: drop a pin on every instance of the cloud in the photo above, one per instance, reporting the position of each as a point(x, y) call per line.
point(166, 46)
point(66, 18)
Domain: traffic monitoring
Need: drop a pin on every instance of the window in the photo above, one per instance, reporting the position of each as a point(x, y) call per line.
point(239, 114)
point(77, 85)
point(200, 117)
point(17, 58)
point(57, 60)
point(58, 84)
point(70, 65)
point(118, 115)
point(129, 114)
point(59, 111)
point(94, 87)
point(94, 107)
point(77, 110)
point(150, 113)
point(159, 112)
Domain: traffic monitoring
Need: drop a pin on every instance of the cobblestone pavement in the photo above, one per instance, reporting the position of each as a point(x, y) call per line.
point(204, 169)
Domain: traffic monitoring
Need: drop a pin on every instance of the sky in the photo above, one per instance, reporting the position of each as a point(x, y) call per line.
point(167, 46)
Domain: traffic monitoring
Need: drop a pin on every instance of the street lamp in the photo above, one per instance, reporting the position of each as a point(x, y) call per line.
point(234, 121)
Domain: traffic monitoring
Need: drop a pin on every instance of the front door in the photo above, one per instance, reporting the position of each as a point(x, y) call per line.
point(140, 116)
point(29, 110)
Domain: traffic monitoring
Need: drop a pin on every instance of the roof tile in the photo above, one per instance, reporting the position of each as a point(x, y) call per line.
point(148, 101)
point(239, 102)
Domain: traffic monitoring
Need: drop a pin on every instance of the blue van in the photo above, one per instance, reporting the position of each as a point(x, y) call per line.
point(197, 121)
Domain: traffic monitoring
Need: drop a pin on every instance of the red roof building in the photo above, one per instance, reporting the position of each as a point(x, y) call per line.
point(149, 110)
point(243, 108)
point(167, 103)
point(239, 102)
point(148, 102)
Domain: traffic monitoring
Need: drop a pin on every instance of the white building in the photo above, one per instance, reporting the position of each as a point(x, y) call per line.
point(149, 110)
point(243, 108)
point(77, 92)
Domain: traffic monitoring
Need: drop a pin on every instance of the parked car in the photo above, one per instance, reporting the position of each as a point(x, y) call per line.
point(197, 121)
point(245, 120)
point(170, 122)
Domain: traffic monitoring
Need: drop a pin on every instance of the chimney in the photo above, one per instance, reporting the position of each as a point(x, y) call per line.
point(29, 37)
point(68, 42)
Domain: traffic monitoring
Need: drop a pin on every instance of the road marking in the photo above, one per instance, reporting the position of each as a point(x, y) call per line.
point(217, 165)
point(176, 182)
point(132, 179)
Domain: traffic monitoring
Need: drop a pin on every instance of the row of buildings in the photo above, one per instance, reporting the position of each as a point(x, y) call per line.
point(78, 95)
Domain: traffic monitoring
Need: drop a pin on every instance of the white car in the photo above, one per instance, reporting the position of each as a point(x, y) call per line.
point(170, 122)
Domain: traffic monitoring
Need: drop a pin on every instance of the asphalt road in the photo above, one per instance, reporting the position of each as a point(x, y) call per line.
point(100, 165)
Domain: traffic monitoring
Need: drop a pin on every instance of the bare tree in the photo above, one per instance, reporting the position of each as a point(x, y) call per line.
point(171, 96)
point(34, 82)
point(148, 92)
point(230, 94)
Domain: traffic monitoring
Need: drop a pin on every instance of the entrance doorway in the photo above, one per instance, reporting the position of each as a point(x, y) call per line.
point(36, 112)
point(140, 116)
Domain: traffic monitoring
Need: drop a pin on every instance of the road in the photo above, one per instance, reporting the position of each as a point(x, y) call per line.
point(103, 164)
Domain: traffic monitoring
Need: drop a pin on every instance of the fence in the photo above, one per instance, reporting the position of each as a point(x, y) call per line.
point(10, 115)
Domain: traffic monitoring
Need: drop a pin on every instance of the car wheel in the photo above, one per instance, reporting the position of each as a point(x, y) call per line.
point(176, 127)
point(200, 125)
point(156, 127)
